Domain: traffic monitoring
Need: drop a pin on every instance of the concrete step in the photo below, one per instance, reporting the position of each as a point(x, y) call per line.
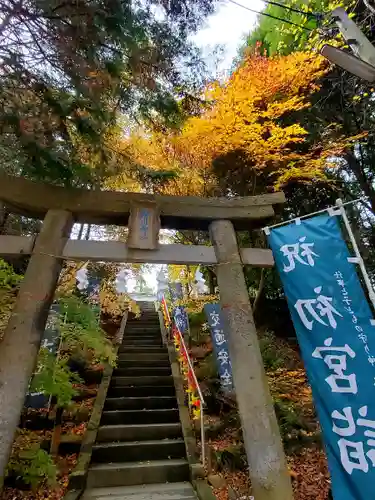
point(140, 334)
point(139, 432)
point(142, 380)
point(138, 451)
point(133, 473)
point(156, 416)
point(140, 403)
point(141, 371)
point(147, 320)
point(167, 491)
point(146, 305)
point(144, 327)
point(143, 356)
point(128, 363)
point(155, 349)
point(146, 341)
point(146, 323)
point(144, 336)
point(141, 391)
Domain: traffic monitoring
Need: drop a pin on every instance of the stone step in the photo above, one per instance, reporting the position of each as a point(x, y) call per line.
point(145, 315)
point(140, 403)
point(167, 491)
point(143, 356)
point(148, 331)
point(138, 363)
point(138, 451)
point(155, 349)
point(142, 332)
point(146, 322)
point(152, 328)
point(133, 473)
point(142, 380)
point(151, 347)
point(155, 416)
point(136, 371)
point(141, 391)
point(139, 432)
point(146, 305)
point(142, 341)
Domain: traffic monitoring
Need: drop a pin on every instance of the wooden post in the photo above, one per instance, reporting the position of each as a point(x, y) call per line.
point(19, 348)
point(267, 465)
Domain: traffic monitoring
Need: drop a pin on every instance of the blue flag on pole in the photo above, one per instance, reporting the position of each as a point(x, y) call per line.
point(220, 345)
point(179, 312)
point(336, 333)
point(175, 291)
point(181, 319)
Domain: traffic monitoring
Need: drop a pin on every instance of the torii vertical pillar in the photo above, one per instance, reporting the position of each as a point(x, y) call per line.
point(267, 465)
point(20, 345)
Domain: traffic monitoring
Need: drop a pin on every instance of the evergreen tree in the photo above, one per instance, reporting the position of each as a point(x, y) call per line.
point(67, 69)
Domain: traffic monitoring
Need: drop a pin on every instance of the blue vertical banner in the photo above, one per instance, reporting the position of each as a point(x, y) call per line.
point(179, 312)
point(175, 292)
point(220, 345)
point(336, 333)
point(181, 319)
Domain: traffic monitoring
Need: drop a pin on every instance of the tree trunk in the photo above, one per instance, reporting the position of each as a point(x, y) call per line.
point(259, 294)
point(211, 281)
point(4, 216)
point(267, 465)
point(56, 435)
point(357, 169)
point(188, 287)
point(88, 230)
point(80, 232)
point(20, 345)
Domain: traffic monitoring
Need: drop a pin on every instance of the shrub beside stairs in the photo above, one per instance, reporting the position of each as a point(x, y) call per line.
point(140, 453)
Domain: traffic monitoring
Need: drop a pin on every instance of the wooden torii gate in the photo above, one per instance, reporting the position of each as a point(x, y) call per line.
point(144, 214)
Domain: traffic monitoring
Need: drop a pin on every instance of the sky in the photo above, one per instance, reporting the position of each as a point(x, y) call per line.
point(228, 27)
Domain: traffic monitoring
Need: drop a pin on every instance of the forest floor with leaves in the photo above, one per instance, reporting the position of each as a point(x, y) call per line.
point(65, 466)
point(73, 428)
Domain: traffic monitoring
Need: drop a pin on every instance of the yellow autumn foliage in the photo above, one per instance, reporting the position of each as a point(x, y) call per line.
point(254, 119)
point(246, 113)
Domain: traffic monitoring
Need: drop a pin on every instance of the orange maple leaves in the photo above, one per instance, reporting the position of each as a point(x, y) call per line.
point(253, 111)
point(254, 119)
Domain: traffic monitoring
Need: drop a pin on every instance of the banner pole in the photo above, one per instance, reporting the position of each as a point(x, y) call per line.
point(358, 255)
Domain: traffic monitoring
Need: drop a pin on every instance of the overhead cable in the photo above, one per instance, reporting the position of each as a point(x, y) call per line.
point(270, 15)
point(292, 9)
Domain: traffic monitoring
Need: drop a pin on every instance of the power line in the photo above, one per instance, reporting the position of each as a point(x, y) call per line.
point(292, 9)
point(270, 15)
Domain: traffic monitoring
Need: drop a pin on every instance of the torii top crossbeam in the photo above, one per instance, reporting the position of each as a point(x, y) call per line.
point(34, 199)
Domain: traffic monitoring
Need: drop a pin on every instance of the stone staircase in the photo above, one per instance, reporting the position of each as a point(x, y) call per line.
point(140, 453)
